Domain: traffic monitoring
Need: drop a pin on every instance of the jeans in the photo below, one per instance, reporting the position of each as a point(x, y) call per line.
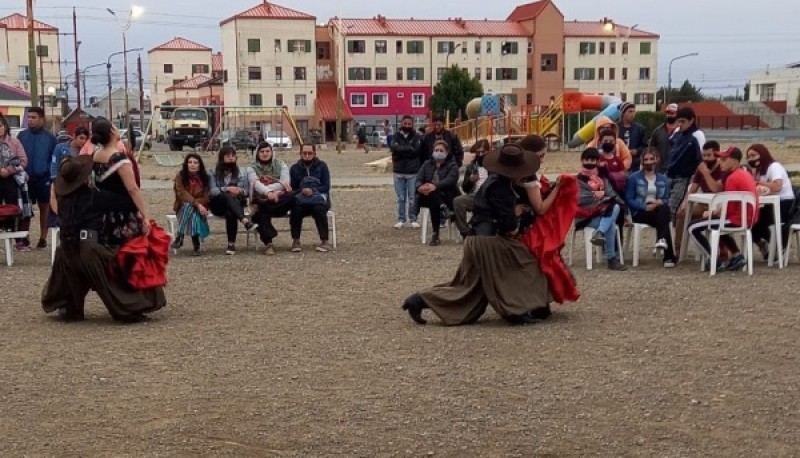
point(405, 187)
point(607, 225)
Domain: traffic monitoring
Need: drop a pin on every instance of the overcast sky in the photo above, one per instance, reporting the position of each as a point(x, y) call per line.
point(733, 37)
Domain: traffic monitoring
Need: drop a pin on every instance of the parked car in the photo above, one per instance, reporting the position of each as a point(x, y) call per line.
point(239, 139)
point(140, 136)
point(63, 137)
point(278, 140)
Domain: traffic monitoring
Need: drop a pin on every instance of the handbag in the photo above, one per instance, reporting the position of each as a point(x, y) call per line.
point(313, 199)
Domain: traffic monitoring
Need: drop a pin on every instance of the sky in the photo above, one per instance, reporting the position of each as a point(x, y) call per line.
point(733, 37)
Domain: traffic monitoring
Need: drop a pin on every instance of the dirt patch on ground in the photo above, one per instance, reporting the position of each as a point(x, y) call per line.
point(310, 355)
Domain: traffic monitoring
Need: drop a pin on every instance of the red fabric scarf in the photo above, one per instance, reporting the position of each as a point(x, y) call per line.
point(195, 183)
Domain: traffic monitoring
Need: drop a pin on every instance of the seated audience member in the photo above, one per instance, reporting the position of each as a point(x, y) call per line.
point(737, 180)
point(311, 184)
point(598, 207)
point(13, 179)
point(771, 178)
point(437, 182)
point(603, 124)
point(647, 197)
point(707, 179)
point(474, 177)
point(230, 186)
point(272, 194)
point(192, 197)
point(610, 164)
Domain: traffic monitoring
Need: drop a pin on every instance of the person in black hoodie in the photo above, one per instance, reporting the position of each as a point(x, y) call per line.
point(632, 133)
point(440, 134)
point(405, 165)
point(686, 153)
point(437, 183)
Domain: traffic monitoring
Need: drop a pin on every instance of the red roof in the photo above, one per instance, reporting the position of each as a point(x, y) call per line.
point(17, 21)
point(216, 62)
point(456, 27)
point(267, 10)
point(180, 44)
point(191, 83)
point(596, 29)
point(528, 11)
point(326, 103)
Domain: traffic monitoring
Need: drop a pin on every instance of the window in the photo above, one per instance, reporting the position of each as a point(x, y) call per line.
point(529, 74)
point(415, 73)
point(358, 100)
point(176, 81)
point(277, 45)
point(167, 68)
point(612, 74)
point(612, 47)
point(417, 100)
point(415, 47)
point(380, 46)
point(477, 47)
point(440, 73)
point(42, 51)
point(356, 46)
point(645, 47)
point(253, 45)
point(488, 73)
point(529, 99)
point(601, 73)
point(200, 69)
point(549, 62)
point(644, 73)
point(254, 73)
point(643, 98)
point(530, 47)
point(463, 47)
point(587, 47)
point(278, 73)
point(625, 73)
point(359, 74)
point(323, 51)
point(300, 100)
point(478, 73)
point(255, 100)
point(445, 47)
point(399, 75)
point(299, 73)
point(509, 47)
point(625, 47)
point(298, 45)
point(381, 74)
point(380, 99)
point(511, 99)
point(279, 100)
point(623, 96)
point(488, 47)
point(506, 74)
point(584, 74)
point(23, 73)
point(602, 48)
point(398, 46)
point(224, 76)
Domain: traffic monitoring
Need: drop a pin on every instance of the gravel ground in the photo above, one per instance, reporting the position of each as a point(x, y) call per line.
point(310, 355)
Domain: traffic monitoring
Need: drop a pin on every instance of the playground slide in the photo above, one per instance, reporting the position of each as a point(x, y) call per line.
point(575, 102)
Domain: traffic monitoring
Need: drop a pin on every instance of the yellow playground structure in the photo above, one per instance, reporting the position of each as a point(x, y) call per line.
point(260, 119)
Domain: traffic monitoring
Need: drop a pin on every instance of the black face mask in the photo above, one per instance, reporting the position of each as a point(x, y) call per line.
point(649, 167)
point(479, 160)
point(407, 130)
point(608, 147)
point(711, 164)
point(754, 164)
point(589, 166)
point(671, 119)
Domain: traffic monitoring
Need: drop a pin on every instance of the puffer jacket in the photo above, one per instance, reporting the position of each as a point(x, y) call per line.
point(406, 153)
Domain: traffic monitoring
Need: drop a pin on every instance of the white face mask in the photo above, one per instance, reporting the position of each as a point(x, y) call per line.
point(439, 156)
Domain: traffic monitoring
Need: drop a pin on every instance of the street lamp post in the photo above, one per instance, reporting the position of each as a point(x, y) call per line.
point(108, 70)
point(669, 74)
point(609, 26)
point(449, 53)
point(134, 13)
point(83, 82)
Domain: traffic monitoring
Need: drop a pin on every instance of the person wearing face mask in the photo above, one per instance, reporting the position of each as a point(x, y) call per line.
point(439, 133)
point(603, 125)
point(475, 175)
point(598, 207)
point(771, 178)
point(311, 185)
point(406, 162)
point(230, 187)
point(437, 183)
point(660, 137)
point(610, 164)
point(646, 195)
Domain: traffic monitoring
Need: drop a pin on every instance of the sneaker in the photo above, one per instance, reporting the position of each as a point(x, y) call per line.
point(669, 263)
point(22, 247)
point(435, 240)
point(231, 249)
point(324, 247)
point(296, 247)
point(269, 250)
point(720, 265)
point(736, 263)
point(399, 225)
point(598, 239)
point(614, 264)
point(415, 225)
point(661, 244)
point(41, 245)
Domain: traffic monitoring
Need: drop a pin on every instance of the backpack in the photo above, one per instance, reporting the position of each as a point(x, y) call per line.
point(313, 199)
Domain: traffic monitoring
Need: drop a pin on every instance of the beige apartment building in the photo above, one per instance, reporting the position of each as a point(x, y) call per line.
point(606, 58)
point(177, 60)
point(14, 69)
point(270, 61)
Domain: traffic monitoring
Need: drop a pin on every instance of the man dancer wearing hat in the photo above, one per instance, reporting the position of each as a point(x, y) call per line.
point(496, 268)
point(660, 138)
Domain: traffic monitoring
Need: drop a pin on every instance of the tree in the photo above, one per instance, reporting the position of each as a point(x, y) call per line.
point(454, 91)
point(686, 93)
point(797, 102)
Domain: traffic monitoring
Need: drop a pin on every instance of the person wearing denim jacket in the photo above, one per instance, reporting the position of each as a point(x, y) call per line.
point(230, 188)
point(647, 198)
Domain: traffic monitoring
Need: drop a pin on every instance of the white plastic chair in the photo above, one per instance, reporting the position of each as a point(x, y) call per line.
point(588, 247)
point(53, 244)
point(794, 230)
point(721, 201)
point(424, 217)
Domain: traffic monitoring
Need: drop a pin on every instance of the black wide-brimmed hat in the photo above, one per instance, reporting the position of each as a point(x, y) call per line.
point(73, 173)
point(512, 161)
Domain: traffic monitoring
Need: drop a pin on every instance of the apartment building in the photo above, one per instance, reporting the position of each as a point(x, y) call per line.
point(14, 68)
point(270, 62)
point(777, 85)
point(177, 60)
point(607, 58)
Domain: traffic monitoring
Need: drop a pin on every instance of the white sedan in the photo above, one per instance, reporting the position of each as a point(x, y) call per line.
point(278, 140)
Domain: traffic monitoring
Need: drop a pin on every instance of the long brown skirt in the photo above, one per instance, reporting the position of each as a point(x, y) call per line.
point(78, 269)
point(495, 271)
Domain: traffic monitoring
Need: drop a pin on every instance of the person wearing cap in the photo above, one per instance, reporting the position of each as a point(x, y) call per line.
point(737, 180)
point(82, 263)
point(632, 133)
point(660, 138)
point(439, 133)
point(685, 154)
point(496, 268)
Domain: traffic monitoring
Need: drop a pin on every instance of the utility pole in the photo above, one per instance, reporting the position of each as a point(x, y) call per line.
point(32, 71)
point(141, 94)
point(77, 66)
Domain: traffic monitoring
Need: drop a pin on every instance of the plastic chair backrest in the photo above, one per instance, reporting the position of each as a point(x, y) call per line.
point(722, 199)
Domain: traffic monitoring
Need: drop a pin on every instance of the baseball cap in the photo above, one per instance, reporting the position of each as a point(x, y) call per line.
point(672, 108)
point(731, 151)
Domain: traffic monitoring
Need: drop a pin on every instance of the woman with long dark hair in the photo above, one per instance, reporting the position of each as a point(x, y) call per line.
point(771, 178)
point(230, 187)
point(13, 180)
point(192, 197)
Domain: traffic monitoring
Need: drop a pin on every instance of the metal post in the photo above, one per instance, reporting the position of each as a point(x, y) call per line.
point(77, 65)
point(126, 117)
point(669, 74)
point(108, 69)
point(32, 71)
point(141, 96)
